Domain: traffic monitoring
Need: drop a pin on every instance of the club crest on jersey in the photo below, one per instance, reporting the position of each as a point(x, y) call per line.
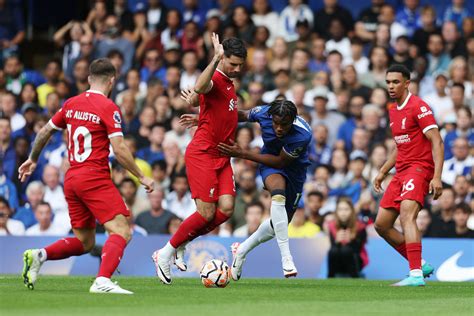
point(232, 104)
point(403, 123)
point(211, 192)
point(117, 118)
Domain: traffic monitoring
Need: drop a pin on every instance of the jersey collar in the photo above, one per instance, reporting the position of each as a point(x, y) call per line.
point(222, 73)
point(96, 91)
point(400, 107)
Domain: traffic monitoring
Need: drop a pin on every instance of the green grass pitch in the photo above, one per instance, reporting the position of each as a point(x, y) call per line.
point(293, 297)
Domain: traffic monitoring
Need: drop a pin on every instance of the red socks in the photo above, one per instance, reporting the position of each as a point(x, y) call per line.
point(402, 249)
point(189, 229)
point(64, 248)
point(413, 251)
point(111, 255)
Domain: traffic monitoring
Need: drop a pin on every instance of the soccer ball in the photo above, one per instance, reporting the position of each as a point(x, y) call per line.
point(215, 273)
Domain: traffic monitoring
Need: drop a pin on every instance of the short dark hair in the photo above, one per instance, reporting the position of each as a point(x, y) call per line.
point(128, 180)
point(256, 203)
point(459, 85)
point(464, 207)
point(103, 68)
point(401, 69)
point(316, 193)
point(234, 46)
point(160, 164)
point(283, 108)
point(4, 201)
point(115, 53)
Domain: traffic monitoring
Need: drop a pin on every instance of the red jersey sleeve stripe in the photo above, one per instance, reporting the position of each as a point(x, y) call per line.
point(54, 126)
point(115, 134)
point(427, 128)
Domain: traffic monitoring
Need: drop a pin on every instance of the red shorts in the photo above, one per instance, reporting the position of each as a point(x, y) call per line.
point(206, 181)
point(405, 186)
point(90, 197)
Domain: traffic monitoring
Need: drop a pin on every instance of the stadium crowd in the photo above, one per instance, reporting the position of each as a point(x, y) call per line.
point(330, 63)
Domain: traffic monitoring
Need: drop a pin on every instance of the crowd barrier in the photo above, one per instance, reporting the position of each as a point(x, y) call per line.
point(452, 258)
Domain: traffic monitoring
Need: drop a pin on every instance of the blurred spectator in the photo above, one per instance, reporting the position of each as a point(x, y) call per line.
point(442, 221)
point(263, 15)
point(255, 90)
point(156, 16)
point(347, 255)
point(190, 70)
point(192, 12)
point(319, 152)
point(379, 60)
point(438, 60)
point(16, 76)
point(22, 146)
point(128, 105)
point(301, 227)
point(461, 189)
point(318, 55)
point(80, 74)
point(96, 17)
point(213, 25)
point(454, 43)
point(280, 56)
point(46, 226)
point(86, 51)
point(346, 130)
point(8, 107)
point(113, 38)
point(298, 94)
point(8, 191)
point(401, 54)
point(459, 73)
point(461, 214)
point(155, 221)
point(352, 83)
point(321, 115)
point(456, 13)
point(299, 71)
point(361, 140)
point(7, 151)
point(282, 85)
point(54, 195)
point(367, 22)
point(387, 16)
point(338, 39)
point(34, 194)
point(9, 226)
point(52, 104)
point(428, 27)
point(339, 163)
point(154, 151)
point(243, 24)
point(173, 31)
point(423, 222)
point(69, 36)
point(52, 73)
point(152, 66)
point(260, 72)
point(461, 163)
point(30, 112)
point(159, 174)
point(131, 143)
point(457, 93)
point(192, 40)
point(313, 203)
point(146, 118)
point(330, 11)
point(135, 229)
point(247, 194)
point(128, 189)
point(253, 218)
point(294, 11)
point(409, 16)
point(463, 129)
point(12, 28)
point(178, 134)
point(134, 89)
point(358, 59)
point(179, 201)
point(439, 100)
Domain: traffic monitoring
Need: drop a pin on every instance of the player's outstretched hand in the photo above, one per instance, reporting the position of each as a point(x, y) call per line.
point(218, 48)
point(436, 188)
point(188, 96)
point(378, 182)
point(233, 150)
point(189, 120)
point(148, 184)
point(26, 169)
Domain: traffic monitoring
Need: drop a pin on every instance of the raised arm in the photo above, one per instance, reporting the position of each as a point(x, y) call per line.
point(42, 138)
point(436, 187)
point(125, 158)
point(204, 83)
point(384, 170)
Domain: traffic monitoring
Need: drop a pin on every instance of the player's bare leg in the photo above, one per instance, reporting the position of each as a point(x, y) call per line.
point(112, 252)
point(189, 229)
point(64, 248)
point(276, 184)
point(408, 212)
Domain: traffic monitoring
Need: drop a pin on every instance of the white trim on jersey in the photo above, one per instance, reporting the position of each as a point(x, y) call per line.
point(292, 156)
point(50, 122)
point(222, 72)
point(96, 91)
point(115, 134)
point(404, 102)
point(297, 122)
point(427, 128)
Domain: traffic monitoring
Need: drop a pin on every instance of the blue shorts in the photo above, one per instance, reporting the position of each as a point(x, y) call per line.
point(293, 190)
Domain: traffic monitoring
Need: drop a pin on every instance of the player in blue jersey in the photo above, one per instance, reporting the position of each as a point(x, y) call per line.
point(283, 163)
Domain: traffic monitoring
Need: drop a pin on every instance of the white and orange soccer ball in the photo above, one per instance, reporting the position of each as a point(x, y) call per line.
point(215, 273)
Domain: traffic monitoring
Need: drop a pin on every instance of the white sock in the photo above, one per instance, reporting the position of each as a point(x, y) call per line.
point(167, 251)
point(262, 234)
point(422, 261)
point(43, 256)
point(416, 273)
point(280, 224)
point(101, 279)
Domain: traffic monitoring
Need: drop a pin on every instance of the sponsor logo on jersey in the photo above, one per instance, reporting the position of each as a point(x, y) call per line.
point(117, 118)
point(401, 139)
point(422, 115)
point(423, 109)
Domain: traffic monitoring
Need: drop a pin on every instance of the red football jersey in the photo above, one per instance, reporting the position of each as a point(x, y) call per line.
point(409, 123)
point(218, 115)
point(91, 120)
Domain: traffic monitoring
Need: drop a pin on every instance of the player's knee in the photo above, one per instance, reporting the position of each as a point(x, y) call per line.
point(88, 245)
point(380, 228)
point(208, 213)
point(407, 217)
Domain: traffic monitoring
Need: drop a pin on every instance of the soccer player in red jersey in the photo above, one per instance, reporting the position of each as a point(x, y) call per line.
point(93, 122)
point(209, 172)
point(418, 160)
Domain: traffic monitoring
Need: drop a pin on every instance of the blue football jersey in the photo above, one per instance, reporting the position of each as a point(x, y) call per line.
point(295, 143)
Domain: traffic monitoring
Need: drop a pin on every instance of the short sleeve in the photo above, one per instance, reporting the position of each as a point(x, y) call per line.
point(255, 113)
point(112, 119)
point(424, 117)
point(295, 149)
point(58, 121)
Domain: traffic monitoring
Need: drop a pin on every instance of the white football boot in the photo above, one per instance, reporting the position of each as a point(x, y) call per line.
point(31, 265)
point(179, 258)
point(104, 285)
point(162, 267)
point(289, 269)
point(237, 262)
